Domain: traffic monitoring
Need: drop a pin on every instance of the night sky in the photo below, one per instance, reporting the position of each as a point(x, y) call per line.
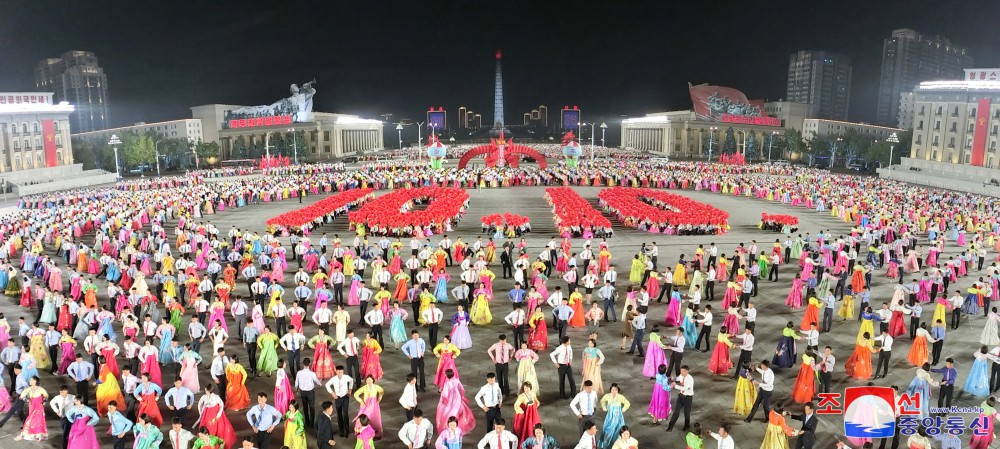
point(373, 57)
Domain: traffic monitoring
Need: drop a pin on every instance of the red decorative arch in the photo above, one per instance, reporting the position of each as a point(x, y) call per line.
point(511, 155)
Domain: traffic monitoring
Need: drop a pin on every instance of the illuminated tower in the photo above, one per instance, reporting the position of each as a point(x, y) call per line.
point(498, 96)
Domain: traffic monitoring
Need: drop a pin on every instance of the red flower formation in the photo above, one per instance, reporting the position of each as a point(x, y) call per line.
point(300, 217)
point(386, 213)
point(634, 205)
point(732, 159)
point(506, 218)
point(790, 220)
point(571, 210)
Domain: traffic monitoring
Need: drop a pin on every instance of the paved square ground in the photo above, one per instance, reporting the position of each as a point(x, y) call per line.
point(713, 395)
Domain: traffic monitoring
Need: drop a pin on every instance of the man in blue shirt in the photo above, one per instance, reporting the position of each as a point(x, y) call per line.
point(414, 350)
point(120, 425)
point(937, 333)
point(263, 418)
point(179, 399)
point(949, 374)
point(10, 356)
point(81, 372)
point(52, 337)
point(516, 295)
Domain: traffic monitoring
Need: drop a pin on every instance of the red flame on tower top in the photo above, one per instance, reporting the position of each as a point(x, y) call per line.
point(499, 55)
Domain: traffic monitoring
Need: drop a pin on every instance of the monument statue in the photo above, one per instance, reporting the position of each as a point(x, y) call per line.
point(299, 106)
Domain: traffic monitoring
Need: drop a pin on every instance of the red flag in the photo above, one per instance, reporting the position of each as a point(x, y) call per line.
point(979, 135)
point(49, 136)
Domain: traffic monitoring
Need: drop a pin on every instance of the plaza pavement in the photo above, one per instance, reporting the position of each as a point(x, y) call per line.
point(713, 400)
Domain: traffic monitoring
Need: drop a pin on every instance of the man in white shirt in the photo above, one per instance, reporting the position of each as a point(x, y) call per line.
point(584, 404)
point(684, 386)
point(409, 398)
point(517, 320)
point(765, 387)
point(417, 432)
point(239, 311)
point(490, 398)
point(589, 438)
point(811, 336)
point(562, 357)
point(746, 350)
point(499, 438)
point(706, 328)
point(349, 349)
point(883, 354)
point(339, 386)
point(724, 438)
point(432, 316)
point(375, 318)
point(180, 438)
point(59, 404)
point(292, 343)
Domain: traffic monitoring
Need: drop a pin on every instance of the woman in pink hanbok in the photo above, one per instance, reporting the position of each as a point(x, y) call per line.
point(794, 299)
point(454, 403)
point(282, 389)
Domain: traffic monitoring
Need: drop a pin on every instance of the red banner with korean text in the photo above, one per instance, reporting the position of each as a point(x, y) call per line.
point(979, 135)
point(49, 139)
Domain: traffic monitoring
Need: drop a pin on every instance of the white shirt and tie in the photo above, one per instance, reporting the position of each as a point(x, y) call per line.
point(489, 395)
point(584, 403)
point(416, 435)
point(725, 442)
point(563, 355)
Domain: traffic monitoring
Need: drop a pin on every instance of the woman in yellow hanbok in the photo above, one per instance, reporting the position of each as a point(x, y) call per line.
point(348, 264)
point(295, 429)
point(480, 313)
point(680, 273)
point(746, 394)
point(637, 269)
point(107, 389)
point(846, 310)
point(40, 351)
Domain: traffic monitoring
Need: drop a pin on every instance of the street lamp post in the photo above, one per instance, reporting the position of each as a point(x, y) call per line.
point(114, 142)
point(399, 132)
point(156, 145)
point(711, 140)
point(592, 141)
point(893, 140)
point(267, 145)
point(833, 151)
point(770, 145)
point(295, 145)
point(604, 127)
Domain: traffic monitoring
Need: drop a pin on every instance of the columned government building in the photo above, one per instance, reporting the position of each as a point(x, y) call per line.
point(328, 135)
point(34, 131)
point(685, 134)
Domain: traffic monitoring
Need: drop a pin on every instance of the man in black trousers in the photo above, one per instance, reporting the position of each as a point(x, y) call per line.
point(706, 328)
point(562, 357)
point(324, 426)
point(807, 434)
point(746, 350)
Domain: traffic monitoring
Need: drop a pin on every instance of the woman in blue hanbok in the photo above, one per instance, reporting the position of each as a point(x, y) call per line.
point(977, 383)
point(689, 329)
point(48, 309)
point(615, 405)
point(4, 277)
point(106, 328)
point(114, 273)
point(257, 247)
point(397, 324)
point(166, 333)
point(921, 385)
point(29, 366)
point(441, 288)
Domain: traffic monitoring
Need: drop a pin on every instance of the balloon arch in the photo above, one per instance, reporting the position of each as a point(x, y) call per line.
point(512, 155)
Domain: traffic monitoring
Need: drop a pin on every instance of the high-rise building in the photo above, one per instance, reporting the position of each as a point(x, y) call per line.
point(821, 79)
point(909, 58)
point(76, 78)
point(463, 120)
